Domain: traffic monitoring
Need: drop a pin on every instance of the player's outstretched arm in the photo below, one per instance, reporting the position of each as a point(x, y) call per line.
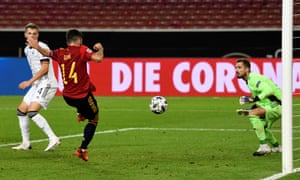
point(35, 44)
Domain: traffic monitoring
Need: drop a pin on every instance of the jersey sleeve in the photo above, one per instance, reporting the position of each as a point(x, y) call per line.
point(44, 46)
point(86, 53)
point(25, 50)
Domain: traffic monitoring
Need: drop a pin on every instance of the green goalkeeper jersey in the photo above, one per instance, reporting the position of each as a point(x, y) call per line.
point(262, 87)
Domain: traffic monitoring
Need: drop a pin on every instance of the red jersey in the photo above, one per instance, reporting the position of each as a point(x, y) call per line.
point(73, 65)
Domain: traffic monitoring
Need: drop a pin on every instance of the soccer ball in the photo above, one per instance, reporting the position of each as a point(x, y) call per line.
point(158, 104)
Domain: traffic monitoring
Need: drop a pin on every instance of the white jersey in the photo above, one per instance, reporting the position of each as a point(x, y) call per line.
point(34, 60)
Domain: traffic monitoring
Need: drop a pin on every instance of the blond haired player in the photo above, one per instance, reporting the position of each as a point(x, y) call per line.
point(43, 88)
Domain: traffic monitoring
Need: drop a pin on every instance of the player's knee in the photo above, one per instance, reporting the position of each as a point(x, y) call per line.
point(95, 123)
point(31, 114)
point(95, 120)
point(20, 113)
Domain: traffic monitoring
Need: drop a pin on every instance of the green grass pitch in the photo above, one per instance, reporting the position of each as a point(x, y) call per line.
point(196, 138)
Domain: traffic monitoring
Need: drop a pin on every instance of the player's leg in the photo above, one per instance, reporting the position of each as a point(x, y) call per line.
point(42, 123)
point(269, 135)
point(273, 114)
point(24, 120)
point(88, 109)
point(272, 140)
point(258, 123)
point(88, 132)
point(43, 97)
point(258, 126)
point(24, 127)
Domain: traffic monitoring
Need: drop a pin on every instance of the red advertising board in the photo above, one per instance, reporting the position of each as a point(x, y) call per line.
point(178, 76)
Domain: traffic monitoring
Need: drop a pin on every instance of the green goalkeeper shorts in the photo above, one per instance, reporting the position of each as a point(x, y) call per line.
point(273, 112)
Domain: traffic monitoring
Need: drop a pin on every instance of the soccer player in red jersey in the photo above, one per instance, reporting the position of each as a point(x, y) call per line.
point(77, 85)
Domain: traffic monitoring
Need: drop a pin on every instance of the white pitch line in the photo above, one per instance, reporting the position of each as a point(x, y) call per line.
point(121, 110)
point(273, 177)
point(133, 129)
point(186, 129)
point(141, 129)
point(63, 137)
point(280, 175)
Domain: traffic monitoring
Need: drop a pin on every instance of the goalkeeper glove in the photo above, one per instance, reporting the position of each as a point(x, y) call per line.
point(246, 100)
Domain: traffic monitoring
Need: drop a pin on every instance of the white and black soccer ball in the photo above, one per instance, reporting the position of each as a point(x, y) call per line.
point(158, 104)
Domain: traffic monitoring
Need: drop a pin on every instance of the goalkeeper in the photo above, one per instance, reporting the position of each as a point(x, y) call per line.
point(266, 109)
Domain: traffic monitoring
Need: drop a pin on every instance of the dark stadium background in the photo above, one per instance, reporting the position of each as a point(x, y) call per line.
point(160, 44)
point(152, 28)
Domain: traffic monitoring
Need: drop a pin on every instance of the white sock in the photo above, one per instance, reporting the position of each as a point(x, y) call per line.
point(24, 126)
point(41, 122)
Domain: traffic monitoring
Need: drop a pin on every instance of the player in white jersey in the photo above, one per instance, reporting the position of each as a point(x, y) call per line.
point(43, 88)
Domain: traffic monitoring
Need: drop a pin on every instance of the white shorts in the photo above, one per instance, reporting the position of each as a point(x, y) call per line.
point(42, 94)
